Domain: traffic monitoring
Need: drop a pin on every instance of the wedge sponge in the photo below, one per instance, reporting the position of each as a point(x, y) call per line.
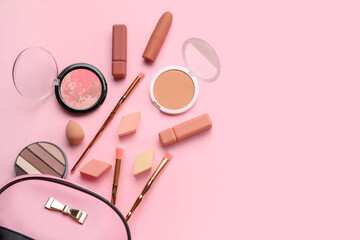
point(95, 168)
point(129, 124)
point(143, 161)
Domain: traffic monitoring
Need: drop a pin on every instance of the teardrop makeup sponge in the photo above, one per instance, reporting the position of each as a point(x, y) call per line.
point(74, 132)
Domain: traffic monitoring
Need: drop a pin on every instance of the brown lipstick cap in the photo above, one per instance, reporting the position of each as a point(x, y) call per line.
point(119, 51)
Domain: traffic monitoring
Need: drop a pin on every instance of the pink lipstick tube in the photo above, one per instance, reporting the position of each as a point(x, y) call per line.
point(185, 129)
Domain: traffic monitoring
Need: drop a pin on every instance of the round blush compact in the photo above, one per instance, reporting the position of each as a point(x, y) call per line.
point(41, 158)
point(174, 89)
point(79, 88)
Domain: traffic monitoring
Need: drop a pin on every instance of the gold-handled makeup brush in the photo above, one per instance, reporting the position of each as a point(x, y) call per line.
point(119, 153)
point(110, 117)
point(168, 156)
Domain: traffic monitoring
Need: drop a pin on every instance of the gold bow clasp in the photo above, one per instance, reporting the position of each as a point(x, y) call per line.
point(77, 215)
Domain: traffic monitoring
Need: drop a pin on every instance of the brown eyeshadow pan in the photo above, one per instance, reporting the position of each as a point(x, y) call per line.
point(43, 154)
point(41, 158)
point(54, 151)
point(19, 171)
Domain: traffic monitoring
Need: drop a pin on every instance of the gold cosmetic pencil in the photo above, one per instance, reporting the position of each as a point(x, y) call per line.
point(168, 156)
point(119, 153)
point(110, 117)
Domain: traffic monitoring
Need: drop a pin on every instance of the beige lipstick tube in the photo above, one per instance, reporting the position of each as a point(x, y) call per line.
point(185, 129)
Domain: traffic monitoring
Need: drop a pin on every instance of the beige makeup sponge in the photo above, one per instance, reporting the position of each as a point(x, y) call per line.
point(143, 161)
point(74, 132)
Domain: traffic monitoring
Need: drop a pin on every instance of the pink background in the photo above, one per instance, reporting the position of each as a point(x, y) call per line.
point(282, 158)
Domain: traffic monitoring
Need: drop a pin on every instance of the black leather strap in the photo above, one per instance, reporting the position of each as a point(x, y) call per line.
point(7, 234)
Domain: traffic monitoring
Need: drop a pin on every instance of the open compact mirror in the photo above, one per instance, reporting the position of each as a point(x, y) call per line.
point(79, 88)
point(174, 89)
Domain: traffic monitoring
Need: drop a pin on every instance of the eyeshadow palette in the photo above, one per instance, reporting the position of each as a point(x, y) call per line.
point(41, 158)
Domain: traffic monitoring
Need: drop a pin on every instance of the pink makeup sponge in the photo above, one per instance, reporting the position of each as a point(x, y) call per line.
point(129, 124)
point(95, 168)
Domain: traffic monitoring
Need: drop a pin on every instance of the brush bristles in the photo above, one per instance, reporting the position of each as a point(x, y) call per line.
point(119, 151)
point(141, 75)
point(169, 155)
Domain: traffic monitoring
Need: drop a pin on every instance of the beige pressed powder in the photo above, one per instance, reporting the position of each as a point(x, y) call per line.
point(174, 90)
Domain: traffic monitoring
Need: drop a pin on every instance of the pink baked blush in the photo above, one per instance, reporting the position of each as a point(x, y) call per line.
point(81, 89)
